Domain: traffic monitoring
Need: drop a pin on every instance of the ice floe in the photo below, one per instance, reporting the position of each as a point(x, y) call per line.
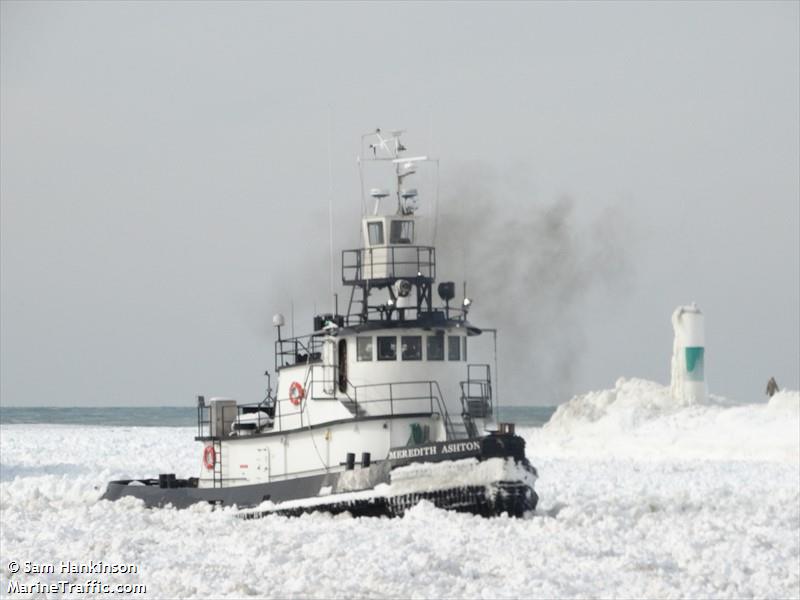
point(640, 498)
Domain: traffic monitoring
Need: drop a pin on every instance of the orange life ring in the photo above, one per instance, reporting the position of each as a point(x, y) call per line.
point(296, 393)
point(209, 457)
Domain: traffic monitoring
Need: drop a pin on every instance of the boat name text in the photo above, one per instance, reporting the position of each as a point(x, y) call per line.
point(435, 450)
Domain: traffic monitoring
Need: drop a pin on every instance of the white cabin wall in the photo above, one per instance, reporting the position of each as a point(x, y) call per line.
point(259, 459)
point(316, 407)
point(320, 407)
point(447, 373)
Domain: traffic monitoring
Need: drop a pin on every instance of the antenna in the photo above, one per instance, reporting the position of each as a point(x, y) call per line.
point(378, 194)
point(409, 204)
point(388, 148)
point(330, 191)
point(391, 146)
point(361, 179)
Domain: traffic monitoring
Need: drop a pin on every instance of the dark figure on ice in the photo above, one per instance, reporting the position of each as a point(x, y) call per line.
point(772, 387)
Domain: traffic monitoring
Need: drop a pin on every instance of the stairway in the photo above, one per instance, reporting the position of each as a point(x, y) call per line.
point(477, 406)
point(462, 429)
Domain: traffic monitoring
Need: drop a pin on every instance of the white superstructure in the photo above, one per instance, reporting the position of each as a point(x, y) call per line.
point(392, 371)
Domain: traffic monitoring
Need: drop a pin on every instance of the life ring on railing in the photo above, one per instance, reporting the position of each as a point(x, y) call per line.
point(209, 457)
point(296, 393)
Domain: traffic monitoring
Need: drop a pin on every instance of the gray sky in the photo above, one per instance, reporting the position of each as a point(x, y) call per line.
point(164, 177)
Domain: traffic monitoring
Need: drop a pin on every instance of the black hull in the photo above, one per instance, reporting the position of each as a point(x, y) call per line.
point(498, 497)
point(514, 500)
point(185, 493)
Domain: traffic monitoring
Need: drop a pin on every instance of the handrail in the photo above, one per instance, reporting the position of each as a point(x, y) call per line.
point(204, 417)
point(430, 391)
point(358, 404)
point(441, 406)
point(484, 395)
point(448, 423)
point(421, 258)
point(378, 312)
point(297, 351)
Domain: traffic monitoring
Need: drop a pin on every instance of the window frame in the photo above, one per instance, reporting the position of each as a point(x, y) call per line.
point(441, 338)
point(378, 340)
point(379, 226)
point(371, 341)
point(396, 226)
point(453, 343)
point(403, 343)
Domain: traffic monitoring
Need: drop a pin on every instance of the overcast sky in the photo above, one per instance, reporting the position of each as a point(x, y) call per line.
point(164, 185)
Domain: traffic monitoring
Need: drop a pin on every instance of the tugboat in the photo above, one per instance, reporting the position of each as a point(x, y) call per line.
point(388, 383)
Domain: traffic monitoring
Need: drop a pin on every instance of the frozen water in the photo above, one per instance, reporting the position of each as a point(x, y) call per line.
point(640, 419)
point(639, 498)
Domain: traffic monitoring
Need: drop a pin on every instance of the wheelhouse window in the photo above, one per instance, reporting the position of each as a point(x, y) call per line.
point(453, 347)
point(364, 348)
point(464, 350)
point(412, 347)
point(402, 232)
point(375, 233)
point(387, 347)
point(436, 347)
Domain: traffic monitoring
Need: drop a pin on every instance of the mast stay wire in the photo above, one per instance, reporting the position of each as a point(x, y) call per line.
point(330, 194)
point(435, 175)
point(435, 201)
point(309, 392)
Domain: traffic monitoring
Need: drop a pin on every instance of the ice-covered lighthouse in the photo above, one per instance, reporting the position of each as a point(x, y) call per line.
point(688, 355)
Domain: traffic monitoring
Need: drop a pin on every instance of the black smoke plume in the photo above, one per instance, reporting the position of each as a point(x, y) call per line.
point(532, 268)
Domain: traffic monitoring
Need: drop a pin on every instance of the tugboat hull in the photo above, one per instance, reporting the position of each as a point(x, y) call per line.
point(486, 476)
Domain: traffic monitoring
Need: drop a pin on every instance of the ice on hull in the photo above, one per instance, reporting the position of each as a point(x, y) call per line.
point(182, 493)
point(512, 498)
point(486, 476)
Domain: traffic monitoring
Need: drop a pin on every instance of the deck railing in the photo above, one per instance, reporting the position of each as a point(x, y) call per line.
point(363, 401)
point(476, 391)
point(388, 262)
point(298, 350)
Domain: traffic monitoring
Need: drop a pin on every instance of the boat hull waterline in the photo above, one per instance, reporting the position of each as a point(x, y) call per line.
point(486, 476)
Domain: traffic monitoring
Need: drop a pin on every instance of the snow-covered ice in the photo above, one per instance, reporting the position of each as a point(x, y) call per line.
point(639, 498)
point(640, 419)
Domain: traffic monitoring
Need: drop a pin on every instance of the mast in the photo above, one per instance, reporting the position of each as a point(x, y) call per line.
point(391, 262)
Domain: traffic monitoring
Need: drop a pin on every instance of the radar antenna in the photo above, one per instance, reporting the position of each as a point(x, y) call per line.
point(390, 149)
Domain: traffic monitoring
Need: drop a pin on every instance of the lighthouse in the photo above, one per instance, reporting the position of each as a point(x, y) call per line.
point(688, 355)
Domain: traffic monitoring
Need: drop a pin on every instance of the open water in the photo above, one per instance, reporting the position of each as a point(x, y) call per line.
point(186, 416)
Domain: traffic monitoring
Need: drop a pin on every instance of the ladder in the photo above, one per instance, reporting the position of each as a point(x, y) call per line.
point(360, 301)
point(217, 473)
